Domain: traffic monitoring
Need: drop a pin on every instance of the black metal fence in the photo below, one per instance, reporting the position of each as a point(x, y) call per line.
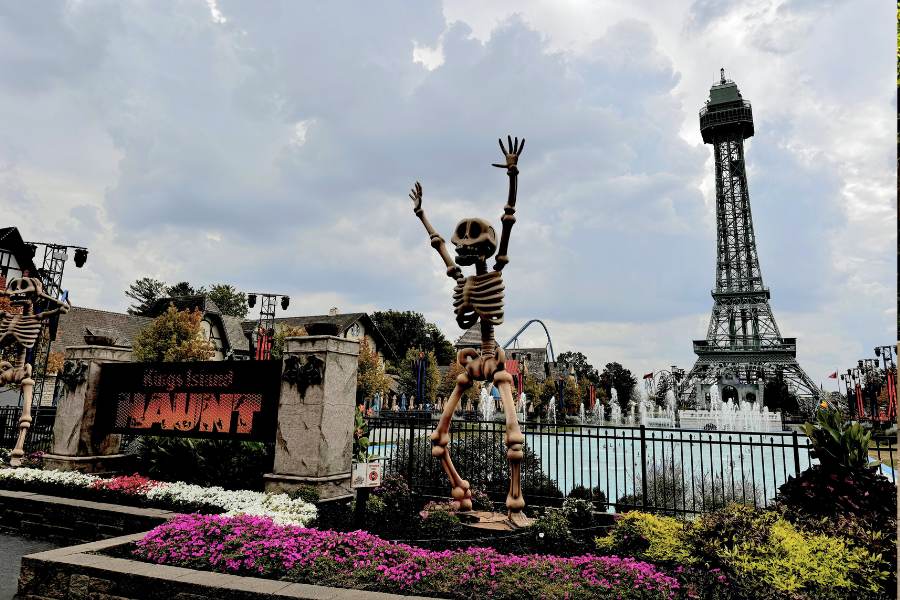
point(675, 471)
point(39, 434)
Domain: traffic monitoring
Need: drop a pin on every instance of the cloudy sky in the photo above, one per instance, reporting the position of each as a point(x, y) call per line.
point(271, 145)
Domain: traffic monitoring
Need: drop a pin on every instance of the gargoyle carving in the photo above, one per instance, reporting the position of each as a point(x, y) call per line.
point(303, 372)
point(74, 373)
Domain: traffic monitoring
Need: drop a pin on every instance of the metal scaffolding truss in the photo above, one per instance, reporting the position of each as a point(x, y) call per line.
point(743, 339)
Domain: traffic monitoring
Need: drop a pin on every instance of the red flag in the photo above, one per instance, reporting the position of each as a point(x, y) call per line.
point(833, 375)
point(649, 375)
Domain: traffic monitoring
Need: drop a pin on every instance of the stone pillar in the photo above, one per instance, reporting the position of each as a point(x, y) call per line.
point(314, 436)
point(75, 445)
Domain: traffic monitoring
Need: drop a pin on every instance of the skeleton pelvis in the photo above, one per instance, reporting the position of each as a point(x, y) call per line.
point(478, 367)
point(479, 296)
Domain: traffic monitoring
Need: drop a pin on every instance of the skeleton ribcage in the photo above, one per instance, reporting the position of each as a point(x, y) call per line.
point(479, 296)
point(23, 329)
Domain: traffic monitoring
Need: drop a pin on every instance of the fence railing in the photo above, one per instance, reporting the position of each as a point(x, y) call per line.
point(675, 471)
point(39, 434)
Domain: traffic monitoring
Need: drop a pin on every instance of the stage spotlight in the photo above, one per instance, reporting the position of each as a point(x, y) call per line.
point(284, 302)
point(251, 300)
point(80, 257)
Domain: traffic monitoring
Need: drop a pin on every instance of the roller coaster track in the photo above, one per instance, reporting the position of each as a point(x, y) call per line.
point(515, 338)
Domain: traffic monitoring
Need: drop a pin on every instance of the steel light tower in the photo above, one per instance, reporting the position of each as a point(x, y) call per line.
point(743, 338)
point(51, 276)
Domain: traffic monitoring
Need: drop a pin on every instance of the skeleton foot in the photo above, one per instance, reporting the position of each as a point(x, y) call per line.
point(461, 492)
point(462, 496)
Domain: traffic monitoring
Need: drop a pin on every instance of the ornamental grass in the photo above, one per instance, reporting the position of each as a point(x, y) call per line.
point(257, 546)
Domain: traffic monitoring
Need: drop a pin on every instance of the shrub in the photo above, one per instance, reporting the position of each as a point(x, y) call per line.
point(481, 457)
point(579, 513)
point(792, 562)
point(818, 492)
point(766, 556)
point(481, 500)
point(842, 483)
point(597, 496)
point(552, 534)
point(666, 489)
point(439, 523)
point(712, 534)
point(390, 508)
point(307, 493)
point(232, 464)
point(648, 537)
point(839, 446)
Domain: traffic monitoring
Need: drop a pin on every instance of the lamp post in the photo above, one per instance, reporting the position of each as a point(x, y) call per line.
point(890, 374)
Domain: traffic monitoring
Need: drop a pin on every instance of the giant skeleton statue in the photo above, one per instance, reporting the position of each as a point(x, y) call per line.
point(478, 298)
point(22, 330)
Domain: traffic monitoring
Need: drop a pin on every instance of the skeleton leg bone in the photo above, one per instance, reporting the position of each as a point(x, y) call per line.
point(18, 452)
point(440, 439)
point(515, 451)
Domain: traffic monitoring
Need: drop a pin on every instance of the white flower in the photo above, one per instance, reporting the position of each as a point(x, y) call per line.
point(279, 507)
point(64, 478)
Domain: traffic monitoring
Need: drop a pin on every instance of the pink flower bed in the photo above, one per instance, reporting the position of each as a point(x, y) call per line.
point(256, 546)
point(130, 485)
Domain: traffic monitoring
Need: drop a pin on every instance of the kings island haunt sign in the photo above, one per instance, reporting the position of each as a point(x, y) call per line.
point(217, 399)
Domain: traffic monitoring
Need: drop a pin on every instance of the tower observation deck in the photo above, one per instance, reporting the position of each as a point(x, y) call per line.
point(743, 344)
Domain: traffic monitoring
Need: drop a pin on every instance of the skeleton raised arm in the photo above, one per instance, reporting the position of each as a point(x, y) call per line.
point(437, 242)
point(509, 211)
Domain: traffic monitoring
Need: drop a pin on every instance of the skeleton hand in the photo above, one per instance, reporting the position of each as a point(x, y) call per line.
point(416, 195)
point(512, 156)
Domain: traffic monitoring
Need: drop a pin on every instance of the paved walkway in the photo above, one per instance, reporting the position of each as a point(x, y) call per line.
point(12, 549)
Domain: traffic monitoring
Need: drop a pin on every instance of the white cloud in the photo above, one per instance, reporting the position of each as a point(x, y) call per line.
point(271, 145)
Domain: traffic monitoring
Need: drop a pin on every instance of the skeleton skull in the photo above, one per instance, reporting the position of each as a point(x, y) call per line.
point(475, 241)
point(23, 290)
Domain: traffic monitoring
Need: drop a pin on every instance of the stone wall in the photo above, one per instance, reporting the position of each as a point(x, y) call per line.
point(69, 521)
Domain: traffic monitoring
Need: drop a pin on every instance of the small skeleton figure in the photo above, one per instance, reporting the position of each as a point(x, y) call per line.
point(22, 330)
point(478, 298)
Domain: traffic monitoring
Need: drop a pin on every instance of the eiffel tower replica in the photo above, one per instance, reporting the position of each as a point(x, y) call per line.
point(743, 348)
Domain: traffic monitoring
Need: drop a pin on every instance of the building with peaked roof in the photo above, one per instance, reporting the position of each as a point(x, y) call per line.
point(226, 333)
point(16, 256)
point(357, 326)
point(471, 338)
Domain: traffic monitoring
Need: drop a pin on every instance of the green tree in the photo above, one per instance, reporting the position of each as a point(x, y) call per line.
point(408, 329)
point(777, 396)
point(615, 375)
point(229, 300)
point(408, 376)
point(182, 289)
point(573, 396)
point(547, 393)
point(370, 375)
point(584, 371)
point(174, 336)
point(145, 292)
point(448, 383)
point(281, 333)
point(532, 391)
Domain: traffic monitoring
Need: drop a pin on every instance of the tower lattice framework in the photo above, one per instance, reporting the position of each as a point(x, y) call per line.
point(743, 340)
